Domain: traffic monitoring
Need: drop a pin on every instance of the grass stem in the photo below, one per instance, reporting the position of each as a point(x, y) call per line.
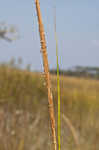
point(58, 89)
point(46, 71)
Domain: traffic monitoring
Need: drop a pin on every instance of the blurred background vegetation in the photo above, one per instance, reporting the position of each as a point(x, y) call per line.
point(24, 117)
point(24, 107)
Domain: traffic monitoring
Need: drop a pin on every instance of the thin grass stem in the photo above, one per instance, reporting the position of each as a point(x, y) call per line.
point(58, 89)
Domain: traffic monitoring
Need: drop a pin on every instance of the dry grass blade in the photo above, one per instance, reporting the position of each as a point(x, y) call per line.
point(21, 145)
point(46, 71)
point(37, 120)
point(72, 129)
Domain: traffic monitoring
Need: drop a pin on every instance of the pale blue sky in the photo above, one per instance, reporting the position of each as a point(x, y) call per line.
point(77, 30)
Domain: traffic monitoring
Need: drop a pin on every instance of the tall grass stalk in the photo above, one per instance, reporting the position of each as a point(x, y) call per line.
point(58, 89)
point(46, 71)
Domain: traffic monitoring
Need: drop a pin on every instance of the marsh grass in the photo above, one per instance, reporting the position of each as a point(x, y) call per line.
point(80, 104)
point(22, 93)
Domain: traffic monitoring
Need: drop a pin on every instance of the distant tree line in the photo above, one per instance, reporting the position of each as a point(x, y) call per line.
point(79, 71)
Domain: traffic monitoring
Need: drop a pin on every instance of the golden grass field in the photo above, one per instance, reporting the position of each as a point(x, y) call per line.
point(24, 117)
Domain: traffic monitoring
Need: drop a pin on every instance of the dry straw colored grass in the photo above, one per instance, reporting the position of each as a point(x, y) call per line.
point(72, 129)
point(46, 71)
point(24, 92)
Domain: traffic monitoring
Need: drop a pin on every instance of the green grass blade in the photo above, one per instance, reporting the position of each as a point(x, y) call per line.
point(58, 88)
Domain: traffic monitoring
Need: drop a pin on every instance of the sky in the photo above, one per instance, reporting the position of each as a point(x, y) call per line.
point(77, 24)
